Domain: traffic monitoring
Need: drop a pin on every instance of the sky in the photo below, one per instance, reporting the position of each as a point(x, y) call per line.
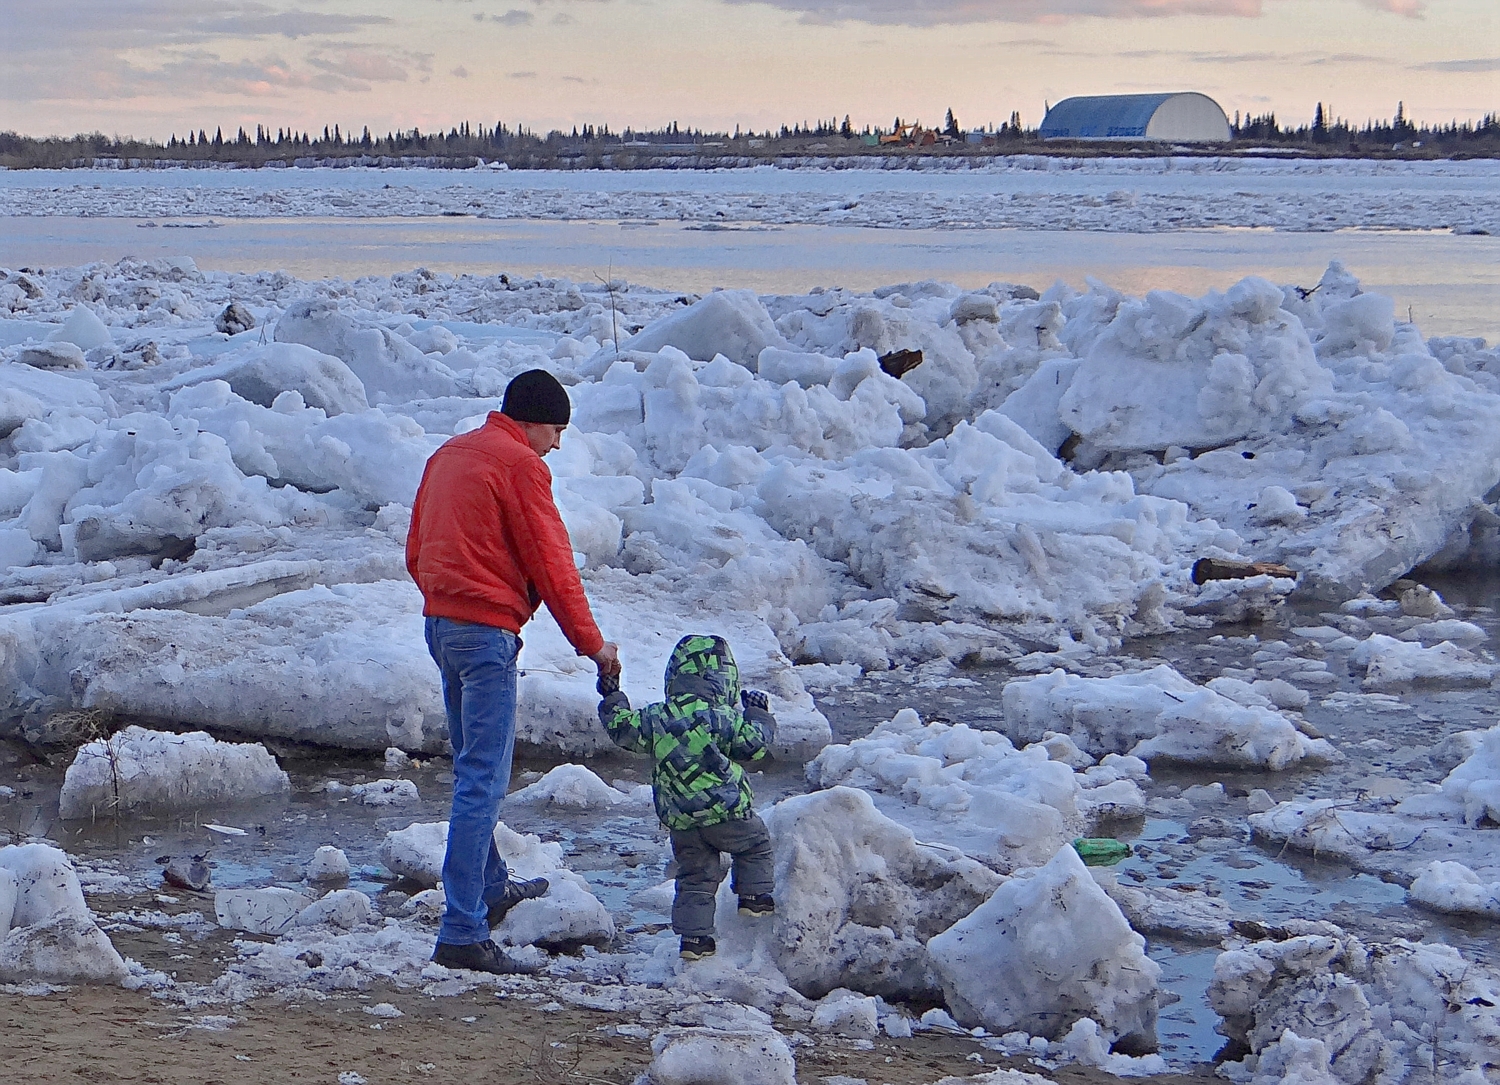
point(150, 68)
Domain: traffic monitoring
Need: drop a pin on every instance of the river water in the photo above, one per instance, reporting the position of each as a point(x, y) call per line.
point(1448, 284)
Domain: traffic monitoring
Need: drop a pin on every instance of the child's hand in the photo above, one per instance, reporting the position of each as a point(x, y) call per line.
point(754, 698)
point(607, 684)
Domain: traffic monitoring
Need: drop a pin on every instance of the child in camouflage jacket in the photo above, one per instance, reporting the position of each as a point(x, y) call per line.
point(694, 738)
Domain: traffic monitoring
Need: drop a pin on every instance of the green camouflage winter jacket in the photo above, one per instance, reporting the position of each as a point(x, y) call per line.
point(695, 736)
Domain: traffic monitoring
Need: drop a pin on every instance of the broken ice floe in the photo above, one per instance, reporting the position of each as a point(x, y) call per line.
point(1434, 840)
point(1159, 714)
point(974, 791)
point(741, 463)
point(136, 768)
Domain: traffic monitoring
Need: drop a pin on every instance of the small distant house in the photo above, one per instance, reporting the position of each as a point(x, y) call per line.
point(1187, 117)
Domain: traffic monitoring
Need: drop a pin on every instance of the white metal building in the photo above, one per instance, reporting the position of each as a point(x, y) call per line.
point(1187, 117)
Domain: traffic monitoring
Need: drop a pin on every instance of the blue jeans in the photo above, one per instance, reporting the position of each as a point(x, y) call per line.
point(478, 664)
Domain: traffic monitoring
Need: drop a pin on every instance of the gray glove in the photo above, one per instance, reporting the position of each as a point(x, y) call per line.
point(607, 684)
point(754, 698)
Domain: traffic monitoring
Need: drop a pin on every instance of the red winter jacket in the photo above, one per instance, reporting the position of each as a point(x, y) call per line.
point(486, 543)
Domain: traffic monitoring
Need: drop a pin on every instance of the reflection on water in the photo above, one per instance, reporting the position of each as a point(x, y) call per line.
point(1450, 285)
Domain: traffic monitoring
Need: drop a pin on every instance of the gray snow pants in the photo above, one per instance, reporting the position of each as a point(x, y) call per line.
point(700, 870)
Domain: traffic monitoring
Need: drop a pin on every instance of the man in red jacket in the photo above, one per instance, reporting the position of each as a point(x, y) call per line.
point(486, 547)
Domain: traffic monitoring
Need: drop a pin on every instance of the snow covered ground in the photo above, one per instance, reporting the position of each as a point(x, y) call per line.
point(1150, 195)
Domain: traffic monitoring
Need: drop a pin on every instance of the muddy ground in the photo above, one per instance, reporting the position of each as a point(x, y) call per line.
point(97, 1035)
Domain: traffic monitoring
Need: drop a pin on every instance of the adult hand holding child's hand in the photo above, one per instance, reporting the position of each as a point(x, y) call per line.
point(608, 659)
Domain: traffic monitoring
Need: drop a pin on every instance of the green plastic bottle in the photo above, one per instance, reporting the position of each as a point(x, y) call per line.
point(1101, 850)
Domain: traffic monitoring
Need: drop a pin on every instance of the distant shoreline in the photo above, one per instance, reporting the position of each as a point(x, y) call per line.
point(679, 158)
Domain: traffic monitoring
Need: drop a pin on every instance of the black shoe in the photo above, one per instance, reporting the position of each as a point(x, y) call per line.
point(758, 906)
point(482, 957)
point(695, 949)
point(515, 892)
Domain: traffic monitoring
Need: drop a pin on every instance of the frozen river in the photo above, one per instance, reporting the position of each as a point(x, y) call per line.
point(1449, 284)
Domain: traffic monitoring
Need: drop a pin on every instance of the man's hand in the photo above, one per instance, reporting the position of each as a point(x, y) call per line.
point(608, 659)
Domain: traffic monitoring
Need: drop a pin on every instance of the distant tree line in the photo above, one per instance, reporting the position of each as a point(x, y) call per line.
point(594, 145)
point(1335, 134)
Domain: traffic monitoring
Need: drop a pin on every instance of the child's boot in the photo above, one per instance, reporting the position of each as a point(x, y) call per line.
point(758, 906)
point(695, 949)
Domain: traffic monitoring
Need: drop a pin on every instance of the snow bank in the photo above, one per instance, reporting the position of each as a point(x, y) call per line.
point(50, 935)
point(137, 768)
point(1157, 714)
point(1401, 1010)
point(973, 789)
point(1046, 950)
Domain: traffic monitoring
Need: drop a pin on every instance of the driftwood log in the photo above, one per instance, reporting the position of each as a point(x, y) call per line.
point(1206, 569)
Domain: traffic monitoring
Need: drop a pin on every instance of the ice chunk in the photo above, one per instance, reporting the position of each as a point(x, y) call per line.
point(857, 897)
point(389, 367)
point(847, 1014)
point(343, 908)
point(259, 911)
point(1034, 405)
point(263, 373)
point(780, 366)
point(572, 787)
point(566, 916)
point(328, 864)
point(705, 1056)
point(1019, 807)
point(1374, 1006)
point(1172, 370)
point(1045, 951)
point(137, 768)
point(1390, 663)
point(1156, 714)
point(82, 329)
point(336, 666)
point(1474, 786)
point(385, 793)
point(1453, 887)
point(61, 355)
point(416, 852)
point(729, 322)
point(51, 936)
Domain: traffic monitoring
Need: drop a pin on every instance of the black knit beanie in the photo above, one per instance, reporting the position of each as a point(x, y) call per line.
point(536, 396)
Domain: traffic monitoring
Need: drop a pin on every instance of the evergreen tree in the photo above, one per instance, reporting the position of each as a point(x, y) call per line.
point(950, 125)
